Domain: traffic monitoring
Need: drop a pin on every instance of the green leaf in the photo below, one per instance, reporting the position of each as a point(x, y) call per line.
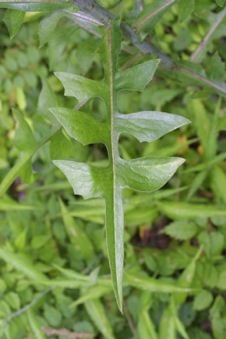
point(7, 204)
point(23, 139)
point(77, 236)
point(151, 284)
point(170, 324)
point(81, 88)
point(202, 123)
point(213, 243)
point(152, 13)
point(36, 6)
point(22, 264)
point(181, 210)
point(146, 327)
point(97, 313)
point(181, 328)
point(13, 300)
point(26, 156)
point(35, 327)
point(52, 315)
point(221, 281)
point(185, 9)
point(81, 126)
point(148, 126)
point(202, 300)
point(13, 20)
point(186, 278)
point(220, 3)
point(97, 291)
point(167, 328)
point(216, 67)
point(137, 77)
point(47, 27)
point(47, 97)
point(145, 174)
point(86, 180)
point(181, 230)
point(218, 182)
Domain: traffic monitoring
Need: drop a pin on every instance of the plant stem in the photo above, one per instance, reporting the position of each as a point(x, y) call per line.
point(104, 16)
point(204, 42)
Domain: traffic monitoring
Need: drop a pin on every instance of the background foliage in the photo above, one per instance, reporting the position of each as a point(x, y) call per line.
point(54, 268)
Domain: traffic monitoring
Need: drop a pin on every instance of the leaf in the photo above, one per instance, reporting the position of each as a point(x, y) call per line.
point(181, 210)
point(215, 68)
point(181, 230)
point(170, 324)
point(26, 157)
point(76, 235)
point(47, 27)
point(152, 13)
point(23, 139)
point(47, 98)
point(220, 3)
point(145, 174)
point(97, 291)
point(185, 9)
point(152, 285)
point(35, 327)
point(81, 126)
point(202, 300)
point(137, 77)
point(36, 6)
point(202, 123)
point(167, 328)
point(218, 182)
point(186, 278)
point(97, 313)
point(13, 20)
point(146, 327)
point(213, 243)
point(7, 204)
point(52, 315)
point(86, 180)
point(196, 184)
point(81, 88)
point(148, 126)
point(22, 264)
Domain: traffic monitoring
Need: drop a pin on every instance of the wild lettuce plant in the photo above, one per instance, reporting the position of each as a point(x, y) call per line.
point(145, 174)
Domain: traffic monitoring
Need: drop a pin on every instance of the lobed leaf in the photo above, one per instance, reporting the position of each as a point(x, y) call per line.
point(148, 126)
point(81, 126)
point(136, 78)
point(81, 88)
point(145, 174)
point(86, 180)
